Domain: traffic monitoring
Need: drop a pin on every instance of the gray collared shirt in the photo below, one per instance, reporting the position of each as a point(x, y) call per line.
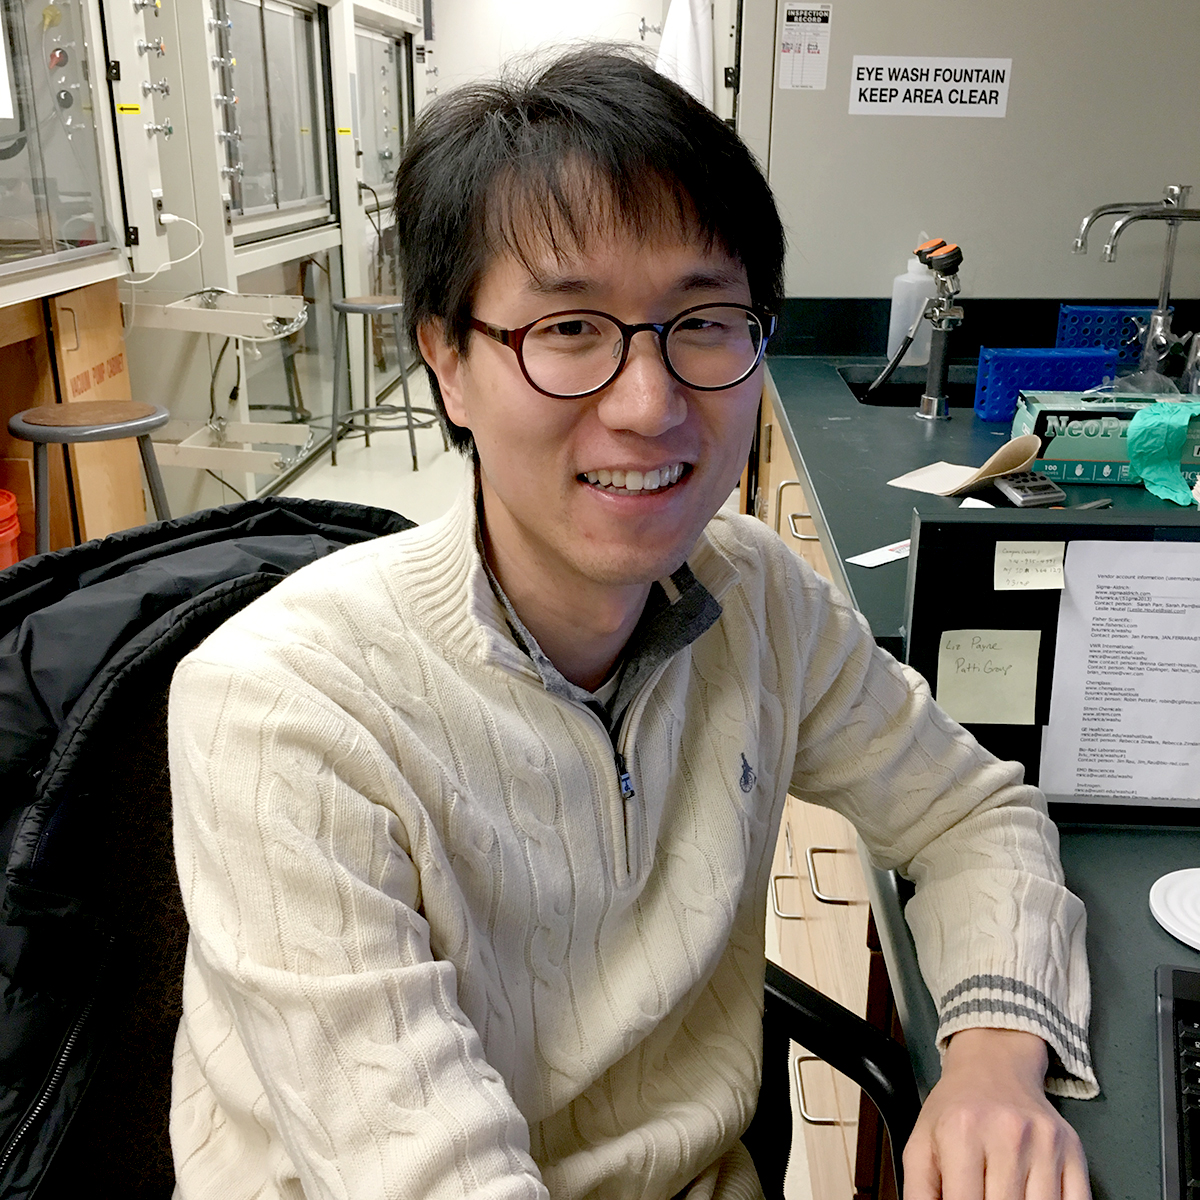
point(678, 610)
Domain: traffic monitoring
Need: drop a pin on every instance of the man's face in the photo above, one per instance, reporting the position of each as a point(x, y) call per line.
point(543, 516)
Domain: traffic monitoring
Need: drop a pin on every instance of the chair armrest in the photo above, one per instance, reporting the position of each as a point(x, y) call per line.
point(879, 1065)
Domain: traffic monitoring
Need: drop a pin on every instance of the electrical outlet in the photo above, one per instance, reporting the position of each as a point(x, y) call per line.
point(156, 193)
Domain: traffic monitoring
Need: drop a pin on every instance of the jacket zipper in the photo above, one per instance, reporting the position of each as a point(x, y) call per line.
point(49, 1088)
point(627, 795)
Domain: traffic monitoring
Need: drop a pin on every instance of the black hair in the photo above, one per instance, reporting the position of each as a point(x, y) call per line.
point(597, 135)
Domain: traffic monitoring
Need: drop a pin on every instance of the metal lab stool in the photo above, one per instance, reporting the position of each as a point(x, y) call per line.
point(88, 421)
point(368, 307)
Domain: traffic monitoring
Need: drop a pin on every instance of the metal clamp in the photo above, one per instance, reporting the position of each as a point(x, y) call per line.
point(644, 28)
point(805, 1115)
point(801, 537)
point(157, 45)
point(162, 87)
point(810, 854)
point(164, 127)
point(234, 172)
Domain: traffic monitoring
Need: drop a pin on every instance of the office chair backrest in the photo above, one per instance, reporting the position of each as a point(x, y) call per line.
point(92, 929)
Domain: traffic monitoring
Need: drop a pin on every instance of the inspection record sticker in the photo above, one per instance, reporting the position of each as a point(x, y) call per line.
point(804, 46)
point(899, 85)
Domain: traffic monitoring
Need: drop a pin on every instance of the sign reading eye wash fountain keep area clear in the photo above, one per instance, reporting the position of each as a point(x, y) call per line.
point(897, 85)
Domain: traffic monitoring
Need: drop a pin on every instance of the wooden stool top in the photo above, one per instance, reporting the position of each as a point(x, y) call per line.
point(88, 412)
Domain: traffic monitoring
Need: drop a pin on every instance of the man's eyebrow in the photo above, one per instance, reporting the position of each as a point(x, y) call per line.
point(696, 281)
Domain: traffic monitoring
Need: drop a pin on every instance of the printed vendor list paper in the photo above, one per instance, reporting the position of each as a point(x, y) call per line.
point(1125, 709)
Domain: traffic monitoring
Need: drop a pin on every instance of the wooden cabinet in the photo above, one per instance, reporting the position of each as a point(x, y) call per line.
point(818, 916)
point(781, 501)
point(819, 911)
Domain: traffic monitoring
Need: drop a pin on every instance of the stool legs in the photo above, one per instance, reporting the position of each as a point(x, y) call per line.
point(368, 378)
point(41, 496)
point(408, 412)
point(158, 493)
point(340, 332)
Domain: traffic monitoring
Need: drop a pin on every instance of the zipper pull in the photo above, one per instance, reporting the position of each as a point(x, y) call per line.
point(627, 792)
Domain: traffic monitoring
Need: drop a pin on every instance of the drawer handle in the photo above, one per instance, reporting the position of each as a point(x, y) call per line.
point(787, 483)
point(801, 537)
point(810, 855)
point(805, 1115)
point(783, 916)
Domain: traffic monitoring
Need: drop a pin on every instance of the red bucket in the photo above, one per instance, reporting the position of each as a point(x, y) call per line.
point(10, 529)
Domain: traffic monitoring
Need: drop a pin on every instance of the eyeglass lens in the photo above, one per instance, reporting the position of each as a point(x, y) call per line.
point(569, 354)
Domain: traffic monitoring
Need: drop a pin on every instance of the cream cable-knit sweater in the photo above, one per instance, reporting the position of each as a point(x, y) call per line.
point(434, 954)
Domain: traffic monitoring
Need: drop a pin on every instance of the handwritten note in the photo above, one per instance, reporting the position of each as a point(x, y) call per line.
point(1029, 566)
point(988, 676)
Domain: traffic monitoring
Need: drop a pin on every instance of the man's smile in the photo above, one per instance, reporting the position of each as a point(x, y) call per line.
point(656, 480)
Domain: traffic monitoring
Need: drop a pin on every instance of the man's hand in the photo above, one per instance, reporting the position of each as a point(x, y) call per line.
point(987, 1131)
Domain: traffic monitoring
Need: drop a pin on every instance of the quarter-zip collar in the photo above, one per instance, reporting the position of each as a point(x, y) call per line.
point(488, 629)
point(679, 608)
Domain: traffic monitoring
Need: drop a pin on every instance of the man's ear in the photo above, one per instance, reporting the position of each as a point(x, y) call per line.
point(447, 364)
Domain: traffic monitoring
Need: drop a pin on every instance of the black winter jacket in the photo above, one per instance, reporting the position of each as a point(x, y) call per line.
point(92, 933)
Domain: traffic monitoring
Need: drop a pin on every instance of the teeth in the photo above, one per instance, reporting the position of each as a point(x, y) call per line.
point(637, 481)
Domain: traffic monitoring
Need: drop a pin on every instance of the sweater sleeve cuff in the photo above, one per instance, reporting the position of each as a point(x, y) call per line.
point(1001, 1002)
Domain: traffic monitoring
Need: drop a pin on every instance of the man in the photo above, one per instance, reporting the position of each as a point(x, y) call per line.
point(474, 823)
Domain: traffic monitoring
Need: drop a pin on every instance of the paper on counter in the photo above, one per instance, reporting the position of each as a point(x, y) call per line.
point(988, 676)
point(1125, 709)
point(975, 502)
point(1028, 566)
point(885, 554)
point(948, 479)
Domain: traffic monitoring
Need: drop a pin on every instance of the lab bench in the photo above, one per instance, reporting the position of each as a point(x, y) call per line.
point(844, 452)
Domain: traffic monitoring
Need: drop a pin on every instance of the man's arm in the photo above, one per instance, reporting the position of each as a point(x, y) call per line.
point(1000, 939)
point(303, 899)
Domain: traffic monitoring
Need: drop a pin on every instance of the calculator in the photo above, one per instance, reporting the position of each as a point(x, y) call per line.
point(1030, 489)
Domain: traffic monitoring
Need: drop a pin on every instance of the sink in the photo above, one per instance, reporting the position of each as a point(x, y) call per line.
point(907, 385)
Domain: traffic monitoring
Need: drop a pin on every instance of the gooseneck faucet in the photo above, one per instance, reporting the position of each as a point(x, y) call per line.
point(1157, 337)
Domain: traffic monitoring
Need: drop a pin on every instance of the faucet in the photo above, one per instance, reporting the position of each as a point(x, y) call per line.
point(943, 260)
point(1157, 337)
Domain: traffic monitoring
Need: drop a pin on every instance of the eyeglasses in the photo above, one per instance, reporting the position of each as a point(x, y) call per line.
point(575, 353)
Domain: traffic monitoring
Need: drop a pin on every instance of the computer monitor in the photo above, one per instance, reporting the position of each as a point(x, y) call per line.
point(952, 586)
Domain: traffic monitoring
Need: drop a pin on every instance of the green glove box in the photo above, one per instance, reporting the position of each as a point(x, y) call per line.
point(1084, 440)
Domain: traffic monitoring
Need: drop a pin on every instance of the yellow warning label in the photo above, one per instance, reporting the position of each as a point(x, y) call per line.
point(129, 109)
point(347, 132)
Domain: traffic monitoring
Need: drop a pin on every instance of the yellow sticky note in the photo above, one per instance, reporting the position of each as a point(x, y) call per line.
point(988, 676)
point(1028, 566)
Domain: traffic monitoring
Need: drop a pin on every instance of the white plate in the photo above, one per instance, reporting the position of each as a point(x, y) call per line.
point(1175, 903)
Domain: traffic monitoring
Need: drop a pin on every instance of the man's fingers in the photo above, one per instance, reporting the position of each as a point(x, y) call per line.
point(1075, 1184)
point(961, 1161)
point(922, 1181)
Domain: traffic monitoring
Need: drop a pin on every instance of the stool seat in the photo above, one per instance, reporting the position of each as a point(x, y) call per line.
point(87, 421)
point(374, 306)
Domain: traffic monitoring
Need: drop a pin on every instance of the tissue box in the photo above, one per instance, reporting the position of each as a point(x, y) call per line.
point(1083, 441)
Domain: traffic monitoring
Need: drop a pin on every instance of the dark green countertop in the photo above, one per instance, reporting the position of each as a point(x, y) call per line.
point(1111, 870)
point(847, 452)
